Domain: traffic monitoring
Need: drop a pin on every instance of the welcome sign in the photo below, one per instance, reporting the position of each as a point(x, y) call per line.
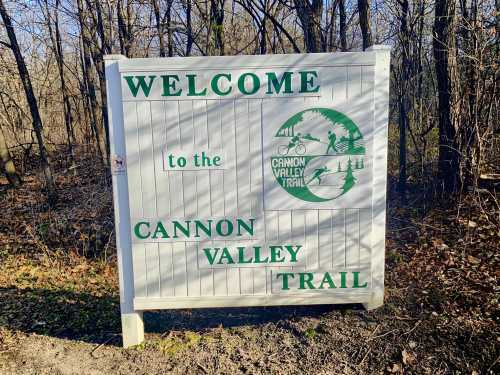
point(248, 180)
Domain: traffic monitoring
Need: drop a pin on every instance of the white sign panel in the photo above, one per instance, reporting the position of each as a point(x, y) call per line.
point(248, 180)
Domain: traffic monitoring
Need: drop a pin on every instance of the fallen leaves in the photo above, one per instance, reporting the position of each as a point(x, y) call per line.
point(407, 357)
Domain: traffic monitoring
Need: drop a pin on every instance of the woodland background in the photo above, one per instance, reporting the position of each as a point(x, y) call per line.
point(57, 255)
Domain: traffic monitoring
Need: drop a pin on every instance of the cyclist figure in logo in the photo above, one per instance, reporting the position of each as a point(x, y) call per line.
point(331, 142)
point(293, 142)
point(317, 174)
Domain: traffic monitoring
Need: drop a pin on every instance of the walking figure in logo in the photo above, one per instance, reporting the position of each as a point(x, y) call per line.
point(317, 174)
point(331, 142)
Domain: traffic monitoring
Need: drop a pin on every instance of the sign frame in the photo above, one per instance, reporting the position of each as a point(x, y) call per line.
point(132, 307)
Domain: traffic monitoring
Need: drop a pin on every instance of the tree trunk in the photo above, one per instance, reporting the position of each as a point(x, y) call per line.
point(342, 26)
point(159, 28)
point(497, 25)
point(332, 27)
point(263, 30)
point(445, 66)
point(89, 83)
point(403, 96)
point(365, 22)
point(169, 29)
point(99, 64)
point(33, 105)
point(189, 28)
point(310, 18)
point(98, 57)
point(55, 36)
point(469, 136)
point(125, 31)
point(7, 166)
point(217, 22)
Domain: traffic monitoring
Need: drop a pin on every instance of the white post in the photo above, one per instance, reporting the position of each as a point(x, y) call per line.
point(132, 324)
point(381, 118)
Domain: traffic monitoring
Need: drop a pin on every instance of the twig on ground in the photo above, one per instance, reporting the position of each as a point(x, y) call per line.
point(102, 344)
point(202, 367)
point(414, 327)
point(364, 357)
point(493, 364)
point(375, 330)
point(382, 335)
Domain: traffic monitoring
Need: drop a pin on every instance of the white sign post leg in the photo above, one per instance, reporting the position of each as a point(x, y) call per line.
point(132, 323)
point(381, 118)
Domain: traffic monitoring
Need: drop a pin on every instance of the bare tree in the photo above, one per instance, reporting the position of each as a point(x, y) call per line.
point(309, 14)
point(189, 28)
point(55, 37)
point(217, 24)
point(342, 26)
point(125, 27)
point(404, 37)
point(88, 82)
point(32, 103)
point(365, 22)
point(164, 22)
point(445, 66)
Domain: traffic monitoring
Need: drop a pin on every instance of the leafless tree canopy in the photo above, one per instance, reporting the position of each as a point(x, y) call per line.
point(444, 95)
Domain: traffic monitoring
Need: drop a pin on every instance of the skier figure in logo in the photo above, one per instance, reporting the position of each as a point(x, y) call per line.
point(293, 142)
point(317, 174)
point(331, 142)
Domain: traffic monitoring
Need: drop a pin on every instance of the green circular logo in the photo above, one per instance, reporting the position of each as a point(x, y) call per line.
point(317, 155)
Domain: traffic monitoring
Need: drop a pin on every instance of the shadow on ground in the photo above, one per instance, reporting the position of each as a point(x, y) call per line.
point(80, 316)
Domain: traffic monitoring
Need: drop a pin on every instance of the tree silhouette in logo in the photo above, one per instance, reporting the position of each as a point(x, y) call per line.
point(349, 179)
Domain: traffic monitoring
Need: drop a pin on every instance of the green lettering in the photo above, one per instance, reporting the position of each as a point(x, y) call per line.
point(141, 82)
point(192, 86)
point(355, 283)
point(276, 254)
point(241, 255)
point(229, 229)
point(169, 83)
point(293, 254)
point(303, 281)
point(137, 231)
point(327, 279)
point(209, 255)
point(255, 83)
point(249, 228)
point(215, 84)
point(184, 230)
point(343, 281)
point(226, 255)
point(285, 277)
point(257, 256)
point(160, 229)
point(306, 81)
point(199, 225)
point(273, 82)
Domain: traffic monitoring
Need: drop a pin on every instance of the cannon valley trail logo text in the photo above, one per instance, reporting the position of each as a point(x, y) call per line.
point(317, 155)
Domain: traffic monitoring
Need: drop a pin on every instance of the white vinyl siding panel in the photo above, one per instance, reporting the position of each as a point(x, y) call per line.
point(334, 238)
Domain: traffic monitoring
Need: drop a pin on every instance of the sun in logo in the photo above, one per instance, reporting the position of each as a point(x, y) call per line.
point(318, 153)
